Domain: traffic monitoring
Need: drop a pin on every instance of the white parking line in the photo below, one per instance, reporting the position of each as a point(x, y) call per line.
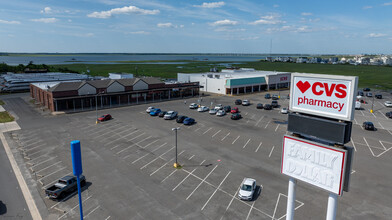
point(383, 145)
point(246, 143)
point(146, 153)
point(165, 164)
point(216, 133)
point(130, 134)
point(205, 204)
point(191, 157)
point(276, 206)
point(44, 161)
point(122, 137)
point(73, 208)
point(157, 158)
point(91, 211)
point(207, 130)
point(234, 195)
point(374, 115)
point(259, 121)
point(27, 150)
point(258, 147)
point(267, 123)
point(47, 167)
point(132, 145)
point(356, 121)
point(52, 173)
point(235, 139)
point(37, 158)
point(353, 144)
point(271, 151)
point(187, 176)
point(30, 155)
point(201, 182)
point(382, 114)
point(174, 171)
point(108, 217)
point(251, 210)
point(277, 127)
point(225, 136)
point(381, 125)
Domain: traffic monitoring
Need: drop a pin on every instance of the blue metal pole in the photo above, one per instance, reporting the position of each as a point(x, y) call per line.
point(80, 196)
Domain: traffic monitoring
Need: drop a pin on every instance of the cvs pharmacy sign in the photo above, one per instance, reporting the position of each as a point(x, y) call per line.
point(324, 95)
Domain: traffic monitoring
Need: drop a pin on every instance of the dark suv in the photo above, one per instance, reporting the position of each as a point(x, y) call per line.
point(274, 104)
point(267, 96)
point(227, 108)
point(238, 102)
point(259, 106)
point(368, 125)
point(378, 96)
point(180, 119)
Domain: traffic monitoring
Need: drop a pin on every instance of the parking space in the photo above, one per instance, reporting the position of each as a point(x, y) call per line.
point(128, 161)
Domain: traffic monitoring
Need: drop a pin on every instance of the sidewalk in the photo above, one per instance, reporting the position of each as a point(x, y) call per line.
point(9, 126)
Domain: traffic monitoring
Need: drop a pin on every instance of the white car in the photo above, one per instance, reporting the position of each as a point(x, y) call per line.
point(284, 111)
point(245, 102)
point(149, 109)
point(247, 190)
point(193, 106)
point(388, 104)
point(219, 107)
point(221, 113)
point(213, 111)
point(202, 109)
point(170, 115)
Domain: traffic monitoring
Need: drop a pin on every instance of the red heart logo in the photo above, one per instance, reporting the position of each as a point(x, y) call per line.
point(303, 86)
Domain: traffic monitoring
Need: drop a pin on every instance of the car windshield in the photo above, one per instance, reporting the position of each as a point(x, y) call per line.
point(246, 187)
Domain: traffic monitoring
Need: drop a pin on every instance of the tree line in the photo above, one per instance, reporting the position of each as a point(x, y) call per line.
point(21, 68)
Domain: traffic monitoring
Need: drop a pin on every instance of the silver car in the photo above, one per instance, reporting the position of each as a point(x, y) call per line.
point(221, 113)
point(170, 115)
point(213, 111)
point(247, 190)
point(202, 109)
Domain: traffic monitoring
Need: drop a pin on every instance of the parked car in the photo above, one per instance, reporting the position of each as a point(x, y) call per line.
point(155, 112)
point(236, 116)
point(202, 109)
point(219, 107)
point(227, 108)
point(366, 89)
point(193, 106)
point(369, 94)
point(378, 96)
point(105, 117)
point(64, 186)
point(170, 115)
point(189, 121)
point(267, 96)
point(181, 118)
point(367, 125)
point(357, 105)
point(388, 114)
point(267, 107)
point(245, 102)
point(213, 111)
point(360, 93)
point(284, 111)
point(221, 113)
point(148, 110)
point(247, 189)
point(275, 97)
point(259, 106)
point(238, 102)
point(388, 104)
point(234, 110)
point(162, 113)
point(274, 104)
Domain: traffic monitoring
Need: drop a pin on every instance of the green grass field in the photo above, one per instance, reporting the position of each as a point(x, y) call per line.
point(6, 117)
point(379, 77)
point(2, 102)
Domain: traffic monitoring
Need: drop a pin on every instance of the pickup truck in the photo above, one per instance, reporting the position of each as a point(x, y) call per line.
point(64, 186)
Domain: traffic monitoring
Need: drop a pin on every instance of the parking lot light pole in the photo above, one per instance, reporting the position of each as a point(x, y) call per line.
point(96, 107)
point(371, 110)
point(176, 164)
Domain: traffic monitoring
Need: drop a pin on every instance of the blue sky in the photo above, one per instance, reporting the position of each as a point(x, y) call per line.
point(193, 26)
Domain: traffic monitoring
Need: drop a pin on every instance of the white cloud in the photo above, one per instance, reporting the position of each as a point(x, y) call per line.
point(306, 14)
point(227, 29)
point(275, 6)
point(375, 35)
point(46, 10)
point(367, 7)
point(124, 10)
point(45, 20)
point(9, 22)
point(225, 22)
point(140, 32)
point(387, 4)
point(250, 38)
point(211, 5)
point(169, 25)
point(269, 19)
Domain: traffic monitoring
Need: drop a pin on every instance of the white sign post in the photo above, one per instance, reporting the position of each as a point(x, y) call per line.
point(323, 95)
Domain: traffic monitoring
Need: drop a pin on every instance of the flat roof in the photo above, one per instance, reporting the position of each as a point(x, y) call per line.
point(237, 73)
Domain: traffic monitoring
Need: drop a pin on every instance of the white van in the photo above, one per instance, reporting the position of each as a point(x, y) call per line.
point(357, 105)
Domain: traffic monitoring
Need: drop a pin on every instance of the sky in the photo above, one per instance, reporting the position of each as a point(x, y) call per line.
point(196, 26)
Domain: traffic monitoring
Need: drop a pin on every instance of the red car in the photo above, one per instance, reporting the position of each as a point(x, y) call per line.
point(105, 117)
point(234, 110)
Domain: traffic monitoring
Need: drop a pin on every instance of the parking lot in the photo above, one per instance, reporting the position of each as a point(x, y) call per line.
point(128, 162)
